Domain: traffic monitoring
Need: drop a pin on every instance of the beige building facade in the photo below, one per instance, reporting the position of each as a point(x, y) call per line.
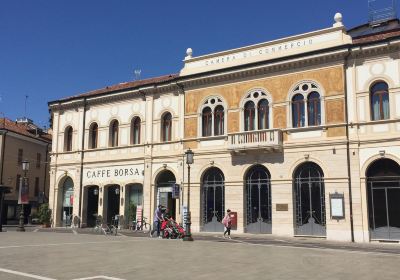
point(21, 140)
point(281, 132)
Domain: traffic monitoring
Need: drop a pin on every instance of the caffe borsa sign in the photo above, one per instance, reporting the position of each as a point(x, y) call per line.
point(114, 173)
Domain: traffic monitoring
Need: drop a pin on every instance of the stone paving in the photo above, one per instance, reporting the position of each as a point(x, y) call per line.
point(65, 255)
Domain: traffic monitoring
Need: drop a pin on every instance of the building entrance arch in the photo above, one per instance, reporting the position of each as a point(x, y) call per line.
point(309, 189)
point(92, 205)
point(67, 202)
point(258, 200)
point(383, 188)
point(111, 201)
point(213, 200)
point(164, 184)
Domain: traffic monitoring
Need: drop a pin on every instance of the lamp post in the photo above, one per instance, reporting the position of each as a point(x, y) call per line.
point(189, 160)
point(25, 168)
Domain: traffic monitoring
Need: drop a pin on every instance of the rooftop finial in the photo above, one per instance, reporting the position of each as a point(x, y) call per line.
point(338, 20)
point(189, 53)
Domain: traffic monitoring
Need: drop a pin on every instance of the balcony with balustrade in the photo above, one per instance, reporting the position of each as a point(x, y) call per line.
point(267, 140)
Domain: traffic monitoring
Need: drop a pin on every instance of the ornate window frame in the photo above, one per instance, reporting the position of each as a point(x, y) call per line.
point(212, 102)
point(298, 88)
point(256, 95)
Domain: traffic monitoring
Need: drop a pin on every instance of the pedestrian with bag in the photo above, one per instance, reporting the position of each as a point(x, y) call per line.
point(227, 222)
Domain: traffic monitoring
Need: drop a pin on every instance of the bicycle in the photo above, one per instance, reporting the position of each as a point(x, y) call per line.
point(141, 225)
point(98, 227)
point(113, 227)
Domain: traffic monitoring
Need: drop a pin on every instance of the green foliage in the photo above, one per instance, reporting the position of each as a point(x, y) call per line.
point(44, 214)
point(132, 212)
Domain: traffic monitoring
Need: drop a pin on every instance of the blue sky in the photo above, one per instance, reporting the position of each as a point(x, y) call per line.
point(53, 49)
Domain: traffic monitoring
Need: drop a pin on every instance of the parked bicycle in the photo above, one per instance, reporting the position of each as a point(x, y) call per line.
point(104, 228)
point(141, 225)
point(98, 226)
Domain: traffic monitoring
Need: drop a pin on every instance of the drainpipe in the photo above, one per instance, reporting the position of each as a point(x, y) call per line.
point(45, 171)
point(82, 157)
point(3, 149)
point(348, 148)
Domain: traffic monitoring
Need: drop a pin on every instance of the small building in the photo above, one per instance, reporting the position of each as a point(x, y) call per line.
point(22, 140)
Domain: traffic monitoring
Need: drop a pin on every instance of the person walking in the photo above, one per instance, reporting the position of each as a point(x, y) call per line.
point(157, 221)
point(227, 222)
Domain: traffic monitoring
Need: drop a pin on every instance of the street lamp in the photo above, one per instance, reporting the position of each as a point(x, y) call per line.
point(189, 160)
point(25, 168)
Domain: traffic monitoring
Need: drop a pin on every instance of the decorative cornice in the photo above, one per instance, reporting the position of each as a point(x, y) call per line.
point(267, 67)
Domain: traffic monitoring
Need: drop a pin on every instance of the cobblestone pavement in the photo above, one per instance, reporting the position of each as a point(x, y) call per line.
point(56, 254)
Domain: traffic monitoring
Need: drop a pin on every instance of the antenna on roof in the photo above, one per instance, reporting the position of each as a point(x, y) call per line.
point(137, 74)
point(26, 100)
point(381, 11)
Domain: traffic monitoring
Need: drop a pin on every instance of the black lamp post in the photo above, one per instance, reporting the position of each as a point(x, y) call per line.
point(25, 168)
point(189, 160)
point(3, 191)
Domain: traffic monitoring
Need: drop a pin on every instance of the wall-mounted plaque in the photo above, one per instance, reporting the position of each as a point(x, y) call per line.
point(282, 207)
point(337, 206)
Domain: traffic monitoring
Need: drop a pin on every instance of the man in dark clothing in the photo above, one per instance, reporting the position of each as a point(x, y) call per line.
point(157, 221)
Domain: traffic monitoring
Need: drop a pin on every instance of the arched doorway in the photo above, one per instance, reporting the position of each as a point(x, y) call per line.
point(258, 198)
point(383, 184)
point(165, 184)
point(67, 201)
point(213, 200)
point(92, 205)
point(111, 199)
point(309, 192)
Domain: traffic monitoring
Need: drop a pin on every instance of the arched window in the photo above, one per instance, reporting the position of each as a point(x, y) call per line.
point(249, 116)
point(114, 130)
point(93, 135)
point(166, 127)
point(298, 110)
point(219, 120)
point(314, 108)
point(256, 113)
point(306, 106)
point(206, 122)
point(135, 131)
point(263, 114)
point(212, 119)
point(379, 96)
point(68, 139)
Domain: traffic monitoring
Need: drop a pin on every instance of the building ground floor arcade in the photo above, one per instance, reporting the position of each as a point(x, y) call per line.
point(291, 193)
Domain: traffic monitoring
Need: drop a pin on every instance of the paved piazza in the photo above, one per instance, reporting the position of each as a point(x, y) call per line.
point(71, 255)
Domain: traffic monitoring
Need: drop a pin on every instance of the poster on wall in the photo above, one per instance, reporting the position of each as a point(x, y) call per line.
point(176, 190)
point(337, 206)
point(23, 196)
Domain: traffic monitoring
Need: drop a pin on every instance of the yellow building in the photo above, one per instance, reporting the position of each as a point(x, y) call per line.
point(283, 134)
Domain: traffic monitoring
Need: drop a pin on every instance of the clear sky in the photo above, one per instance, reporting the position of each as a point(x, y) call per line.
point(53, 49)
